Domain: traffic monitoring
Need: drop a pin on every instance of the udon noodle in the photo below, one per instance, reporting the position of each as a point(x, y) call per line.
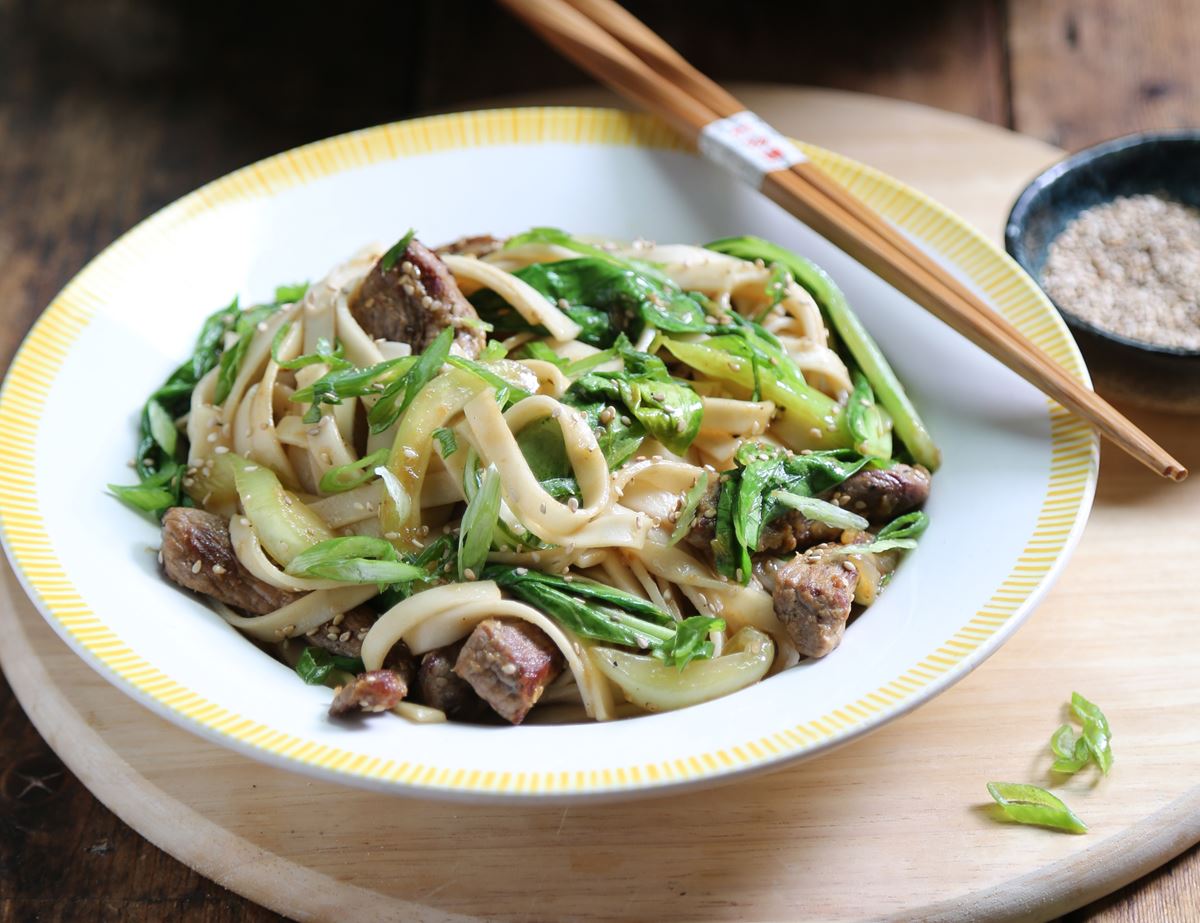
point(593, 477)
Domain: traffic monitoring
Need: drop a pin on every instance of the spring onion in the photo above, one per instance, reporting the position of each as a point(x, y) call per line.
point(1028, 804)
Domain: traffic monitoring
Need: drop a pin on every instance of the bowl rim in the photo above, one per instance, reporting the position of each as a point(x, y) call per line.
point(1070, 481)
point(1017, 215)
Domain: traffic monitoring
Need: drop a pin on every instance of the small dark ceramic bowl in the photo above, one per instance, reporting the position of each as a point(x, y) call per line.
point(1168, 165)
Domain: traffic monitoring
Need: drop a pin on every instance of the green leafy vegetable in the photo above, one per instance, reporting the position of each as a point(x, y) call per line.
point(316, 665)
point(749, 497)
point(604, 613)
point(355, 474)
point(160, 471)
point(478, 526)
point(622, 407)
point(858, 342)
point(1096, 732)
point(687, 513)
point(690, 641)
point(870, 431)
point(354, 559)
point(899, 534)
point(396, 251)
point(753, 358)
point(605, 296)
point(1028, 804)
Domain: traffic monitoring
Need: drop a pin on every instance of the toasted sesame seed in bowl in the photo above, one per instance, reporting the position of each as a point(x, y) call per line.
point(1112, 235)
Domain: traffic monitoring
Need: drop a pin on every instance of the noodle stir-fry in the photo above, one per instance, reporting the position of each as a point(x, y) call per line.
point(544, 477)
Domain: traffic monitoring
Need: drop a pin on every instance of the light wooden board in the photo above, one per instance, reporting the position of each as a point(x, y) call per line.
point(895, 824)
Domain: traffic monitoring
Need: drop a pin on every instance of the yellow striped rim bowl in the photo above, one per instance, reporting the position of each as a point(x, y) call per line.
point(1007, 506)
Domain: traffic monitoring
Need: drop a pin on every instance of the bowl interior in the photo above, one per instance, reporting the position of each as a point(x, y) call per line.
point(953, 602)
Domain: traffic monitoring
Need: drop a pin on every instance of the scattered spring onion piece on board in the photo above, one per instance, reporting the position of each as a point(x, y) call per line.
point(1028, 804)
point(1096, 732)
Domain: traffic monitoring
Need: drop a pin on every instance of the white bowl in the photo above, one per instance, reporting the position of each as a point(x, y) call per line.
point(1007, 506)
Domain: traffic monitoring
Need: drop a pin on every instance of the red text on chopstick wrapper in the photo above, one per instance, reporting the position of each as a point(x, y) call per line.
point(748, 146)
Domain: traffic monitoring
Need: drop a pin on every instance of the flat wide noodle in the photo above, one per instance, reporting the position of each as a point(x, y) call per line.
point(303, 615)
point(445, 614)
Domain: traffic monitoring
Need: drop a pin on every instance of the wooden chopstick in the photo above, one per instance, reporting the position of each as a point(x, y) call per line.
point(616, 47)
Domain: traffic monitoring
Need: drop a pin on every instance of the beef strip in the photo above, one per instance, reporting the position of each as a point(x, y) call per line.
point(813, 596)
point(197, 553)
point(880, 494)
point(476, 245)
point(509, 663)
point(372, 692)
point(414, 300)
point(440, 687)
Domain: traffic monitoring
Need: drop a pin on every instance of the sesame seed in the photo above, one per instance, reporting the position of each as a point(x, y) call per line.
point(196, 567)
point(344, 637)
point(219, 570)
point(337, 619)
point(221, 449)
point(211, 437)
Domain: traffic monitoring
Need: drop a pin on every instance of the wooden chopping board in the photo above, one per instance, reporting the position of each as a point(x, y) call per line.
point(896, 824)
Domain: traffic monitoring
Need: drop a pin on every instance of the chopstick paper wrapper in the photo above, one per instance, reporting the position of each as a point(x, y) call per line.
point(748, 147)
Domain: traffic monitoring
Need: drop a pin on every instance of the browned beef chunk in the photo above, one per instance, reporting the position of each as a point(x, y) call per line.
point(375, 691)
point(414, 300)
point(813, 595)
point(440, 687)
point(882, 493)
point(197, 553)
point(476, 245)
point(793, 531)
point(344, 635)
point(509, 663)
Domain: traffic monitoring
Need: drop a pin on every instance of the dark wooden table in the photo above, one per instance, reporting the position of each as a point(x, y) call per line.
point(110, 109)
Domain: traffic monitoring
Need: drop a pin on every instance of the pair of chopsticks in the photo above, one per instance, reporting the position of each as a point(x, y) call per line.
point(619, 50)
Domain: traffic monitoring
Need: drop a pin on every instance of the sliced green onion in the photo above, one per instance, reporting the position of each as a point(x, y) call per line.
point(1028, 804)
point(1096, 731)
point(821, 510)
point(428, 364)
point(162, 427)
point(446, 440)
point(478, 525)
point(290, 294)
point(144, 499)
point(582, 366)
point(355, 474)
point(506, 391)
point(396, 250)
point(1072, 753)
point(691, 503)
point(354, 559)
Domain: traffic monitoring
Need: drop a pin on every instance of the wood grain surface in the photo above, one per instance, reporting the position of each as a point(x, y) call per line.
point(109, 110)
